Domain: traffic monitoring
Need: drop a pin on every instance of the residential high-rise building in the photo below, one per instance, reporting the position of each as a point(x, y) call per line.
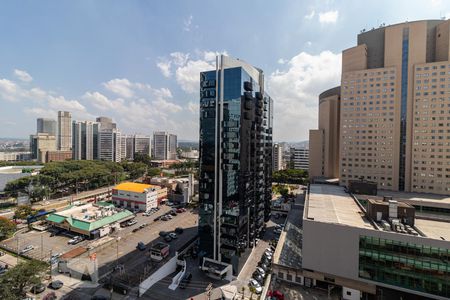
point(85, 140)
point(123, 147)
point(64, 137)
point(277, 157)
point(129, 141)
point(300, 158)
point(394, 108)
point(164, 145)
point(45, 125)
point(235, 163)
point(40, 144)
point(324, 141)
point(110, 145)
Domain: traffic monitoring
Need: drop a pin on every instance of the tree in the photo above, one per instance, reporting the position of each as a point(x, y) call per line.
point(143, 158)
point(23, 211)
point(24, 274)
point(7, 228)
point(253, 291)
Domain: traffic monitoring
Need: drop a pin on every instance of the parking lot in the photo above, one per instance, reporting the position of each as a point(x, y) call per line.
point(42, 243)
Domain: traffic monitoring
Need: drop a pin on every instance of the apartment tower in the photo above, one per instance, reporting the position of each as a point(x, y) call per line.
point(64, 138)
point(324, 141)
point(277, 157)
point(235, 162)
point(395, 108)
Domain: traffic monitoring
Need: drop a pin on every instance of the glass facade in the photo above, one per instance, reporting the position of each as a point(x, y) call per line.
point(412, 266)
point(235, 163)
point(403, 109)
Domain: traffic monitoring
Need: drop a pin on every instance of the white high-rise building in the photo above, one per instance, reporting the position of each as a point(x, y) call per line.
point(64, 138)
point(300, 158)
point(110, 145)
point(277, 157)
point(164, 145)
point(85, 140)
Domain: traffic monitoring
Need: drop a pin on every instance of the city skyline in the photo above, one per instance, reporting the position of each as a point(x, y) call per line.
point(89, 73)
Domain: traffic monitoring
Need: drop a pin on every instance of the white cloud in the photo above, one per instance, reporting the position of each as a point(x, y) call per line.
point(447, 16)
point(9, 90)
point(296, 89)
point(187, 69)
point(193, 107)
point(310, 15)
point(328, 17)
point(187, 23)
point(23, 75)
point(282, 61)
point(121, 87)
point(308, 43)
point(98, 100)
point(188, 76)
point(164, 67)
point(436, 2)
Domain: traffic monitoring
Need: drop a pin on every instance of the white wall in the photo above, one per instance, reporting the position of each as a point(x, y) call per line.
point(167, 269)
point(350, 294)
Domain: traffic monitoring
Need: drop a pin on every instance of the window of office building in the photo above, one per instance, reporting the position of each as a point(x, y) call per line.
point(407, 265)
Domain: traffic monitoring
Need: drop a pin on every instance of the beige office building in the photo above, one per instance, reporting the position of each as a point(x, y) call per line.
point(395, 108)
point(324, 141)
point(40, 144)
point(64, 131)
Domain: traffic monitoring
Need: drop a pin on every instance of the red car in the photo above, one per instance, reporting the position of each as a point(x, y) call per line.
point(180, 210)
point(275, 295)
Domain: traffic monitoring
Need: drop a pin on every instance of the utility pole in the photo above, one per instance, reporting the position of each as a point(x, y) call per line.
point(42, 246)
point(51, 254)
point(17, 249)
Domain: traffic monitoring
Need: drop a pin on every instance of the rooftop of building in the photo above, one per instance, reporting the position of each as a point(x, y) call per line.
point(413, 198)
point(90, 216)
point(289, 253)
point(331, 204)
point(134, 187)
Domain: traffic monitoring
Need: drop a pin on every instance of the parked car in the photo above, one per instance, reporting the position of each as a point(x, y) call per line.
point(2, 253)
point(77, 239)
point(185, 281)
point(169, 217)
point(167, 238)
point(173, 213)
point(173, 235)
point(258, 278)
point(179, 230)
point(141, 246)
point(26, 249)
point(180, 210)
point(275, 295)
point(56, 285)
point(163, 233)
point(157, 219)
point(38, 288)
point(164, 218)
point(260, 271)
point(131, 222)
point(277, 231)
point(135, 229)
point(253, 283)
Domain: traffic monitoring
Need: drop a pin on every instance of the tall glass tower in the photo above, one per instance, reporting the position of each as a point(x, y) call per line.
point(235, 161)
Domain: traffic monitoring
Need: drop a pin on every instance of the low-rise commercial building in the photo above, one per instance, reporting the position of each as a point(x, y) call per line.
point(58, 155)
point(137, 195)
point(91, 220)
point(15, 156)
point(370, 247)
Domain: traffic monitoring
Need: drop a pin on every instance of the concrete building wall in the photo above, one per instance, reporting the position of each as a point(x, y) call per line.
point(377, 130)
point(316, 144)
point(333, 249)
point(277, 157)
point(443, 41)
point(64, 131)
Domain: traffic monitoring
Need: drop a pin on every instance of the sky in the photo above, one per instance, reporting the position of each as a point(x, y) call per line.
point(138, 61)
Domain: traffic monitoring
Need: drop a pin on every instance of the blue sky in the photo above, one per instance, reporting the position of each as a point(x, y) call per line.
point(138, 61)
